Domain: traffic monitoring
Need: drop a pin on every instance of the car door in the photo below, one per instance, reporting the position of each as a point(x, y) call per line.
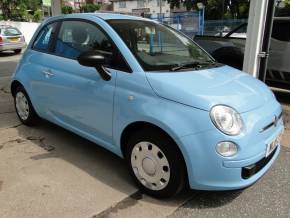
point(36, 65)
point(79, 98)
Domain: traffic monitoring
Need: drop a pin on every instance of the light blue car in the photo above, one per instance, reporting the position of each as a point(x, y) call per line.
point(151, 95)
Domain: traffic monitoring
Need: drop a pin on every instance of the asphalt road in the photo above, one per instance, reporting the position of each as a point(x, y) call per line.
point(46, 171)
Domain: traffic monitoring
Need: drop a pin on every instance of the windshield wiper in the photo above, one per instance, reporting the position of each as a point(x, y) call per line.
point(195, 64)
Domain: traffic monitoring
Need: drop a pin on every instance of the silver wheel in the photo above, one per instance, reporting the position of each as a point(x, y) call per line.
point(150, 166)
point(22, 106)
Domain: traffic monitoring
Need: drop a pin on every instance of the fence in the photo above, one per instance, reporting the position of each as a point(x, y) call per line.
point(218, 27)
point(190, 23)
point(193, 23)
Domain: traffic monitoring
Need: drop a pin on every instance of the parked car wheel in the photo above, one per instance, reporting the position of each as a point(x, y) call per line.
point(17, 51)
point(156, 164)
point(24, 108)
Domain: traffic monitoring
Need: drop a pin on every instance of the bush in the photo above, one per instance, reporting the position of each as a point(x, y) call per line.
point(66, 9)
point(90, 8)
point(37, 16)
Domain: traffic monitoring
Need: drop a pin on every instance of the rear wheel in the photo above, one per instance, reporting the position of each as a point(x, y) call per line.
point(155, 163)
point(24, 108)
point(17, 51)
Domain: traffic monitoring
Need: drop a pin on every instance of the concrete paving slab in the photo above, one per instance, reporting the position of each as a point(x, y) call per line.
point(143, 206)
point(268, 198)
point(286, 138)
point(75, 179)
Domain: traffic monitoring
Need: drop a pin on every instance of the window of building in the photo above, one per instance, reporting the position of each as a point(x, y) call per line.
point(140, 4)
point(158, 2)
point(122, 4)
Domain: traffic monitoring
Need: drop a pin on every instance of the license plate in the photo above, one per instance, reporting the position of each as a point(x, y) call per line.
point(272, 145)
point(14, 39)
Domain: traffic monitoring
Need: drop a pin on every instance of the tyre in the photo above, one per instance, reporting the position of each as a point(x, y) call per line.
point(24, 108)
point(17, 51)
point(155, 163)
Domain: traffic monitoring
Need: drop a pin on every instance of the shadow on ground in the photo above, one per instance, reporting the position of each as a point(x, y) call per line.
point(212, 199)
point(85, 155)
point(8, 54)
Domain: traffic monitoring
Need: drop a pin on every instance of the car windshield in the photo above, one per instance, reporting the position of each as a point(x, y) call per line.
point(158, 47)
point(10, 31)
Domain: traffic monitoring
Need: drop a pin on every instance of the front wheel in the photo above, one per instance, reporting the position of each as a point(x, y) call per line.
point(24, 108)
point(156, 164)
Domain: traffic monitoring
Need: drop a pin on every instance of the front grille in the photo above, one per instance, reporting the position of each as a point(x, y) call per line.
point(252, 169)
point(273, 123)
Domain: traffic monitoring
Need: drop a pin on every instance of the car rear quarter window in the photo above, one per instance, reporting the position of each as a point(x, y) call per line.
point(44, 37)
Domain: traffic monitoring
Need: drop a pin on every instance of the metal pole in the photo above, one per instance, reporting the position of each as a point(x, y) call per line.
point(255, 32)
point(198, 32)
point(202, 28)
point(264, 55)
point(160, 8)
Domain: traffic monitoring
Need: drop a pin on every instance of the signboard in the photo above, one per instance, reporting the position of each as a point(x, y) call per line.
point(46, 3)
point(141, 10)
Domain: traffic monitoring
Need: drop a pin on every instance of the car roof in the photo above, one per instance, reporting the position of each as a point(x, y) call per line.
point(104, 16)
point(112, 16)
point(5, 26)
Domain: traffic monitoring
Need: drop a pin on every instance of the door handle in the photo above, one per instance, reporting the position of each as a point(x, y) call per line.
point(47, 73)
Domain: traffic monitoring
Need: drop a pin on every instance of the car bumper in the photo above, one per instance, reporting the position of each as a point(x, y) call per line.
point(208, 170)
point(12, 46)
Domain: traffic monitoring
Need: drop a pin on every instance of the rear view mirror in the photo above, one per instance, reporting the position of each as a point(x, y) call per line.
point(96, 60)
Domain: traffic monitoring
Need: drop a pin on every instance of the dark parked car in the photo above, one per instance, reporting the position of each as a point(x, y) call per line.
point(229, 49)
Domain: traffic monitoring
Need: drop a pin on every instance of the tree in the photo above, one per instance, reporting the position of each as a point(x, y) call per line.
point(216, 9)
point(66, 9)
point(283, 12)
point(18, 9)
point(90, 8)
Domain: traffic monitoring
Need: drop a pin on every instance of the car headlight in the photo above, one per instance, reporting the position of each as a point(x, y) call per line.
point(226, 119)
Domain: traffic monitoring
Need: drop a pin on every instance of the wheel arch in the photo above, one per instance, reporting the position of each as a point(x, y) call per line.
point(140, 125)
point(13, 86)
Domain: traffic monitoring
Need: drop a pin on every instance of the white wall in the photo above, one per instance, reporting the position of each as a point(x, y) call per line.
point(151, 4)
point(26, 28)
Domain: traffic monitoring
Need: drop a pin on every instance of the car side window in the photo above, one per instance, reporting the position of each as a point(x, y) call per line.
point(44, 37)
point(76, 37)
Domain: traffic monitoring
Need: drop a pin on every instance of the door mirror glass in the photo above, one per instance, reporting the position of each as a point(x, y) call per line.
point(96, 60)
point(91, 59)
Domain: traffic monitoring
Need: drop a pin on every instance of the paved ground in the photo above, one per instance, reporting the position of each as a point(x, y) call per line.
point(47, 171)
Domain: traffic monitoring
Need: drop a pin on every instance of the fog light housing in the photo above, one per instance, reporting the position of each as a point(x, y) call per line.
point(227, 149)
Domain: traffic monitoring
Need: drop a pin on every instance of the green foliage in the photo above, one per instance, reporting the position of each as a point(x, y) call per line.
point(90, 8)
point(283, 12)
point(20, 10)
point(217, 9)
point(37, 16)
point(66, 9)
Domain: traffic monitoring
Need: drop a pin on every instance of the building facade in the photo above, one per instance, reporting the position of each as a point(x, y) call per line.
point(148, 8)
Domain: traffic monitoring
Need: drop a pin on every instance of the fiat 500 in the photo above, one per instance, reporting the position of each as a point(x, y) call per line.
point(151, 95)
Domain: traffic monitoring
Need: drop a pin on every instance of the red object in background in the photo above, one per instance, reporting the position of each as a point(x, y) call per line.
point(1, 40)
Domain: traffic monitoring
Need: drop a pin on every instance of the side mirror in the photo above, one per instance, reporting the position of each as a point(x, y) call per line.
point(96, 60)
